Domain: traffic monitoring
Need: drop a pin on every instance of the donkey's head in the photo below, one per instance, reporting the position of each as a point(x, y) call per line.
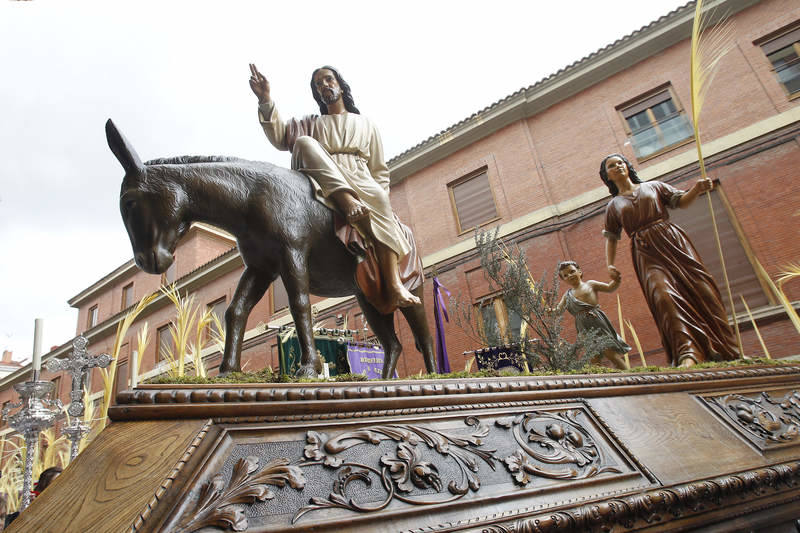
point(150, 206)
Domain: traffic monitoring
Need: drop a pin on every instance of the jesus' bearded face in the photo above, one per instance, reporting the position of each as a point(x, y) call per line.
point(327, 86)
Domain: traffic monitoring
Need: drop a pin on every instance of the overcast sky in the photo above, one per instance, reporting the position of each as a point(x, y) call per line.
point(173, 76)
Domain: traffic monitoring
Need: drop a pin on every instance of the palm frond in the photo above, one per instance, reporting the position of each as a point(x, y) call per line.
point(180, 329)
point(218, 333)
point(780, 295)
point(110, 373)
point(710, 43)
point(142, 341)
point(622, 331)
point(789, 272)
point(201, 329)
point(755, 328)
point(636, 342)
point(468, 364)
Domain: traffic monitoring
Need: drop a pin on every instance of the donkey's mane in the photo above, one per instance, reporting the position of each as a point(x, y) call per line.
point(186, 159)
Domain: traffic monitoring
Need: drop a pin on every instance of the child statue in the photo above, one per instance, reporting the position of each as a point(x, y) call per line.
point(581, 302)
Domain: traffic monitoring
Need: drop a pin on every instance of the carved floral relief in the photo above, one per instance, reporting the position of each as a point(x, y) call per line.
point(765, 421)
point(371, 468)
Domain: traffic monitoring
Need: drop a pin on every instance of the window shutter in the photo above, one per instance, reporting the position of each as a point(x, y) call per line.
point(474, 202)
point(647, 103)
point(781, 42)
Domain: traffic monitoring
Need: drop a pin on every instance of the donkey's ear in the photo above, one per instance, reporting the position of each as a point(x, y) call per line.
point(123, 150)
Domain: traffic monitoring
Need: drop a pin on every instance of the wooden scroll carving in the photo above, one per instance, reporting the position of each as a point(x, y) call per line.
point(765, 421)
point(220, 505)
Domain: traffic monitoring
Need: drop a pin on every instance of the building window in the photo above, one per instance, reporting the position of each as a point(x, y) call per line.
point(121, 379)
point(56, 381)
point(91, 319)
point(166, 345)
point(783, 51)
point(473, 201)
point(500, 325)
point(655, 122)
point(168, 277)
point(280, 298)
point(696, 221)
point(127, 296)
point(217, 309)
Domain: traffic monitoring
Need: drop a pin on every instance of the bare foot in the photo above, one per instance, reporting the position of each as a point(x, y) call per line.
point(354, 210)
point(403, 298)
point(687, 362)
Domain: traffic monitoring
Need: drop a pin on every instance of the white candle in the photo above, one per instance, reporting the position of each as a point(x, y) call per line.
point(37, 345)
point(134, 369)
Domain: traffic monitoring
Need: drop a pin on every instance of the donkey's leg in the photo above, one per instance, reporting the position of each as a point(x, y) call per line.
point(252, 286)
point(418, 321)
point(383, 327)
point(295, 279)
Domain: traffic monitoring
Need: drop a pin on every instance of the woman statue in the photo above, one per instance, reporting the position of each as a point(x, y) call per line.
point(683, 299)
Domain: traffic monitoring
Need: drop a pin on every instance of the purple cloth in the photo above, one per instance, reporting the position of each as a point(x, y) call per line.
point(439, 309)
point(366, 359)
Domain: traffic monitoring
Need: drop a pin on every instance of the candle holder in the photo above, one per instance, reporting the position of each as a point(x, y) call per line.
point(36, 412)
point(78, 364)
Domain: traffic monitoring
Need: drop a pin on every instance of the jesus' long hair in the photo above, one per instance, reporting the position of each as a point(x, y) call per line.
point(347, 96)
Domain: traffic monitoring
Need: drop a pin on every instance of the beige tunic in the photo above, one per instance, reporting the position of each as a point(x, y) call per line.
point(336, 152)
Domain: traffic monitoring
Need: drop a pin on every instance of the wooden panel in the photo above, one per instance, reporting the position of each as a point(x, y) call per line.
point(676, 437)
point(114, 480)
point(392, 473)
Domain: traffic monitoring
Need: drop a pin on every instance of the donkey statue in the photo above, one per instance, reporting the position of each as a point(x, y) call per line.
point(280, 230)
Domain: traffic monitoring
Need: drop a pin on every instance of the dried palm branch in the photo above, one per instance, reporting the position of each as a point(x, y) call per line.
point(168, 356)
point(780, 295)
point(95, 424)
point(622, 331)
point(142, 341)
point(710, 43)
point(218, 333)
point(636, 342)
point(110, 373)
point(200, 341)
point(755, 327)
point(180, 329)
point(11, 474)
point(789, 272)
point(468, 364)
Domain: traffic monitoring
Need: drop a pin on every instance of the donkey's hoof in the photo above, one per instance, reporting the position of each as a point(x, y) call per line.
point(226, 370)
point(306, 371)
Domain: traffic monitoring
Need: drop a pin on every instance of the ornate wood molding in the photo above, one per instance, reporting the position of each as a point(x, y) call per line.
point(648, 507)
point(152, 401)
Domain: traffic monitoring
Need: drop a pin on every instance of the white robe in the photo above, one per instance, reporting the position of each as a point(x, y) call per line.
point(344, 152)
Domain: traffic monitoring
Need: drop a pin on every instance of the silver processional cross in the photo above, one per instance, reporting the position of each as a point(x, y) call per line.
point(78, 365)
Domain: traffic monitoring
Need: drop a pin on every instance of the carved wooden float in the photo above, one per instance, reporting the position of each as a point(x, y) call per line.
point(717, 449)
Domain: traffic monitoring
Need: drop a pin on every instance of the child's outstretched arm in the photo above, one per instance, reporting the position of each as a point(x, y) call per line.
point(559, 309)
point(611, 286)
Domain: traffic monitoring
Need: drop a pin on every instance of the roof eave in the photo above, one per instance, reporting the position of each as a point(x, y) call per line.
point(614, 58)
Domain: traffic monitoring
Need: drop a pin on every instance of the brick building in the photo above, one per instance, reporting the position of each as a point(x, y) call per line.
point(528, 164)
